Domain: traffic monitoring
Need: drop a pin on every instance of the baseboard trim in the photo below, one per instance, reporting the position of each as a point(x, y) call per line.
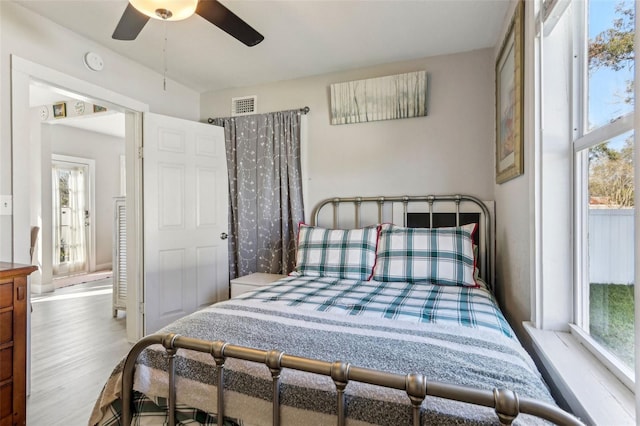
point(103, 267)
point(41, 288)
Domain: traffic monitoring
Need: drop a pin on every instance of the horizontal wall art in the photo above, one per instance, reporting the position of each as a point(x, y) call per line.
point(382, 98)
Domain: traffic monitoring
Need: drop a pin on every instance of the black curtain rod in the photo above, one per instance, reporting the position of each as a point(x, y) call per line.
point(303, 110)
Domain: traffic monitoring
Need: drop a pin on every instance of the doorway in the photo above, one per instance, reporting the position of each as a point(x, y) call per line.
point(28, 154)
point(72, 220)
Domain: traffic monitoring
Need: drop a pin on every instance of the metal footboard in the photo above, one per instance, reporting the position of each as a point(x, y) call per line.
point(506, 403)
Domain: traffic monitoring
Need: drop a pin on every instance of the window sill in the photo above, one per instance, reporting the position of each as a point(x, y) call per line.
point(591, 391)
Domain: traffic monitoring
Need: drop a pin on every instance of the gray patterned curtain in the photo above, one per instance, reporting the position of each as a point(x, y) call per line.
point(265, 191)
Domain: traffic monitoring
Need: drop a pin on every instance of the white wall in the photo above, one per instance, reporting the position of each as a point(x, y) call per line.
point(515, 212)
point(36, 39)
point(449, 151)
point(106, 151)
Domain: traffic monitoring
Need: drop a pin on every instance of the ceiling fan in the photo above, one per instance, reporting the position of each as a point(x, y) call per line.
point(138, 12)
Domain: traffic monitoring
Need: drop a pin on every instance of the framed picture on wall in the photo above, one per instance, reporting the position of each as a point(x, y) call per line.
point(509, 106)
point(60, 110)
point(383, 98)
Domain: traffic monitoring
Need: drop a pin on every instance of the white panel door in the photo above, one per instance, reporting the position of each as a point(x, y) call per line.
point(185, 218)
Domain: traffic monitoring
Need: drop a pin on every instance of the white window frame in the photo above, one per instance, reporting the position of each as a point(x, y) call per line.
point(581, 380)
point(582, 141)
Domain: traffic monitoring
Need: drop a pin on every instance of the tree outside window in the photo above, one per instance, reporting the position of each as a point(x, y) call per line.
point(610, 63)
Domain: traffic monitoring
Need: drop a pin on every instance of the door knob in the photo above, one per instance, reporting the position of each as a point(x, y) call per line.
point(223, 236)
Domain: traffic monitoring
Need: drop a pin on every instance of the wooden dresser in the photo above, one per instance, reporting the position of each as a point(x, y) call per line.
point(13, 342)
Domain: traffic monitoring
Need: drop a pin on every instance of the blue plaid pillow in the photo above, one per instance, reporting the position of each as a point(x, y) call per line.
point(348, 254)
point(438, 255)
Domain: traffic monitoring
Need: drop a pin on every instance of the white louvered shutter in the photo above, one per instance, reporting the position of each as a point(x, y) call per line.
point(119, 256)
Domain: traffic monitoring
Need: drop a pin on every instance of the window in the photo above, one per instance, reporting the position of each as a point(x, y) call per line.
point(603, 145)
point(609, 60)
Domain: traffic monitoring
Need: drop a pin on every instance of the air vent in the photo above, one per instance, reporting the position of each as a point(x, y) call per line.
point(244, 105)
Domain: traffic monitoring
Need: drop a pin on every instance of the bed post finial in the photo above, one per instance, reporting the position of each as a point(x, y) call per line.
point(336, 203)
point(340, 372)
point(405, 210)
point(217, 352)
point(273, 359)
point(380, 204)
point(170, 348)
point(431, 199)
point(507, 405)
point(340, 376)
point(416, 386)
point(169, 340)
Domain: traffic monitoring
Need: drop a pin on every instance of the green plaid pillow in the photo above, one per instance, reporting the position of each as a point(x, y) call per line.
point(438, 255)
point(348, 254)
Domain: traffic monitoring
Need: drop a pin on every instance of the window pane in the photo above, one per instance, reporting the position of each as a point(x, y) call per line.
point(611, 247)
point(63, 182)
point(610, 52)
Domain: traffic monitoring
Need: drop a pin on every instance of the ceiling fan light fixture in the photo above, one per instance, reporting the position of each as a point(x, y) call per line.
point(166, 10)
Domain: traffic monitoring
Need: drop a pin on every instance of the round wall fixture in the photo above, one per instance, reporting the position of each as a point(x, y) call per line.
point(43, 112)
point(78, 107)
point(93, 61)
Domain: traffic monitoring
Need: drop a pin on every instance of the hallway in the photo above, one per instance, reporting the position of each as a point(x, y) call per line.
point(75, 343)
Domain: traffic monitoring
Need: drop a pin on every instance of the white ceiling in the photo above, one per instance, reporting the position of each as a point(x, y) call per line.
point(302, 37)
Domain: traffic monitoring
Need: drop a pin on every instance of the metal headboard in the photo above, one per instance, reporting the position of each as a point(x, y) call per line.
point(394, 209)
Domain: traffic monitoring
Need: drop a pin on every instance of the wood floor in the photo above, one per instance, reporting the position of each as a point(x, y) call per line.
point(75, 343)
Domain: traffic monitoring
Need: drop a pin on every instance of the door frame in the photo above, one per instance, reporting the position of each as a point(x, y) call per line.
point(91, 190)
point(23, 73)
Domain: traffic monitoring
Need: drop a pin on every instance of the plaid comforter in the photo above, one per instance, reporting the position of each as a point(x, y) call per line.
point(454, 335)
point(417, 302)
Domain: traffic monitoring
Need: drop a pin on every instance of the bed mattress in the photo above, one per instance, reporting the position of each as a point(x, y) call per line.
point(451, 334)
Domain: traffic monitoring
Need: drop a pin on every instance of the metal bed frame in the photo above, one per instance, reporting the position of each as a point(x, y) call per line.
point(506, 403)
point(394, 209)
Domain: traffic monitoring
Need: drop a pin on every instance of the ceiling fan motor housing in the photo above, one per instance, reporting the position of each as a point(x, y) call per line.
point(164, 14)
point(167, 10)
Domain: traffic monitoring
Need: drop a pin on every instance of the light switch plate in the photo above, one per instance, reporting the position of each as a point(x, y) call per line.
point(6, 205)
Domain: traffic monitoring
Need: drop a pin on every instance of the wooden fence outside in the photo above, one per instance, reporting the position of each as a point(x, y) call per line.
point(611, 234)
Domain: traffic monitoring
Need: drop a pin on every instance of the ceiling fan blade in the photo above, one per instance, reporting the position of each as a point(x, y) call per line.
point(130, 24)
point(216, 13)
